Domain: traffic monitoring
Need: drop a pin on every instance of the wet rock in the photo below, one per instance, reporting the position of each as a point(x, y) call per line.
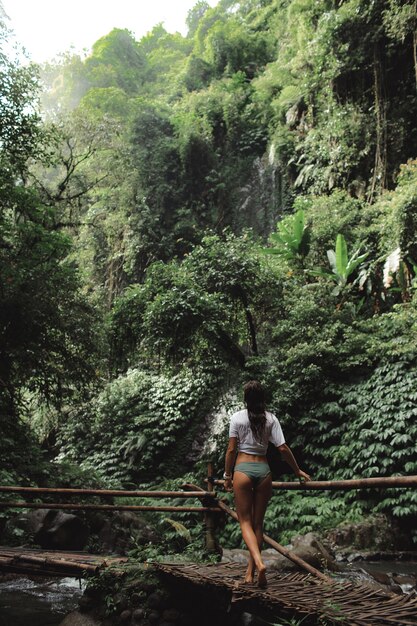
point(402, 579)
point(55, 530)
point(79, 619)
point(381, 577)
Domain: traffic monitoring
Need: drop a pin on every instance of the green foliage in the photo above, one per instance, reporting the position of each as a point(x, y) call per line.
point(291, 238)
point(46, 343)
point(116, 60)
point(203, 309)
point(140, 427)
point(341, 264)
point(136, 206)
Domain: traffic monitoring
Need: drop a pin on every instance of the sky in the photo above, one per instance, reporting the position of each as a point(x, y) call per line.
point(48, 27)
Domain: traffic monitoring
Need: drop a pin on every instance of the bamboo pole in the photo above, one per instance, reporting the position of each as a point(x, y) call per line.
point(59, 563)
point(401, 482)
point(101, 492)
point(274, 544)
point(104, 507)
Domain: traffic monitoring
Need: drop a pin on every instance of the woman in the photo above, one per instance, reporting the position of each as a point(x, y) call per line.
point(249, 434)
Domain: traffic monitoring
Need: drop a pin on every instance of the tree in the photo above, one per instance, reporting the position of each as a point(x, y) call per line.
point(208, 308)
point(195, 15)
point(44, 345)
point(116, 60)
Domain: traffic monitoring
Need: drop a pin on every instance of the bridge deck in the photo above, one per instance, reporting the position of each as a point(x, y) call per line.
point(340, 603)
point(54, 563)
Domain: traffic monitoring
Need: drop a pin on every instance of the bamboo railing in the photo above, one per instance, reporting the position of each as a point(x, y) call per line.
point(106, 493)
point(209, 504)
point(389, 482)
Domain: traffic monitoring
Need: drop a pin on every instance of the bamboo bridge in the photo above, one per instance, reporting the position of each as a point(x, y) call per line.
point(310, 595)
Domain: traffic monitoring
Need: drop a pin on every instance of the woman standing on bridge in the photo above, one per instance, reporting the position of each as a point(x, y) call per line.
point(249, 434)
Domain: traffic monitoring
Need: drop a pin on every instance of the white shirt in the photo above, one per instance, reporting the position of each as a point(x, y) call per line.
point(240, 428)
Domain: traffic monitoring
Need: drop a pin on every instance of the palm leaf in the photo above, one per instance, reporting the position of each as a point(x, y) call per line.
point(341, 256)
point(179, 528)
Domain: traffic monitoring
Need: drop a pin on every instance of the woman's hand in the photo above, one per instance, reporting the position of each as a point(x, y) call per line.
point(228, 484)
point(302, 476)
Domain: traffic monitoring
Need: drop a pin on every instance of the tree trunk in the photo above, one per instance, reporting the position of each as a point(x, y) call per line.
point(378, 182)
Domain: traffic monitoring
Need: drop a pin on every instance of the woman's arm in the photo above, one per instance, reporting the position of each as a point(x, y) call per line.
point(289, 458)
point(229, 462)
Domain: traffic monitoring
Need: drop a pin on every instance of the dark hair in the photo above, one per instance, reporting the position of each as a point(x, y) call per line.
point(254, 396)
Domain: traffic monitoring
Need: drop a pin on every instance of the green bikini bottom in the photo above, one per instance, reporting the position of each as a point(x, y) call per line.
point(255, 470)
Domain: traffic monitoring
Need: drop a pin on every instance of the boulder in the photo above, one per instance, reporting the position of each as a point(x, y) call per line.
point(310, 548)
point(55, 530)
point(307, 547)
point(138, 615)
point(79, 619)
point(125, 616)
point(124, 529)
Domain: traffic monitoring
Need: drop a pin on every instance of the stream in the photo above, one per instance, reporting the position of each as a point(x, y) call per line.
point(37, 602)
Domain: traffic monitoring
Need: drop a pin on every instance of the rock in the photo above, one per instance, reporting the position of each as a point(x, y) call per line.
point(118, 533)
point(156, 600)
point(311, 549)
point(121, 601)
point(380, 577)
point(153, 617)
point(86, 603)
point(308, 547)
point(138, 614)
point(136, 598)
point(402, 579)
point(125, 616)
point(78, 619)
point(375, 533)
point(235, 556)
point(56, 530)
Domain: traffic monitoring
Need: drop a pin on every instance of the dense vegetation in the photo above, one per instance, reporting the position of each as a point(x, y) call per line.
point(188, 212)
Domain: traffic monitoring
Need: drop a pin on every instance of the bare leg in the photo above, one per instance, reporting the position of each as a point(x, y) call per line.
point(244, 499)
point(261, 497)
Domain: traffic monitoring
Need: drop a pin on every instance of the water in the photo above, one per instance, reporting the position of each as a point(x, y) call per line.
point(42, 602)
point(392, 571)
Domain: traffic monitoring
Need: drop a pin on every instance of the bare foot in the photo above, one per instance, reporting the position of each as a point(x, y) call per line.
point(262, 582)
point(250, 572)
